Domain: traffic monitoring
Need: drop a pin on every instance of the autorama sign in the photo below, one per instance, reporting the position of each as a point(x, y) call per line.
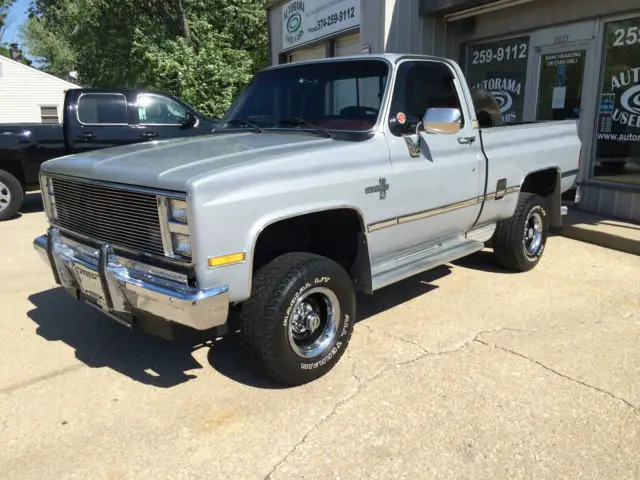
point(305, 21)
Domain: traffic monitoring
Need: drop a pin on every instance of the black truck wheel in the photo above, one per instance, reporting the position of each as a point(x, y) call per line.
point(298, 321)
point(11, 195)
point(519, 242)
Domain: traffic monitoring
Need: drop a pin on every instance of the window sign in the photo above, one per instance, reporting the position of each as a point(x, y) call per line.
point(618, 138)
point(501, 68)
point(307, 20)
point(560, 89)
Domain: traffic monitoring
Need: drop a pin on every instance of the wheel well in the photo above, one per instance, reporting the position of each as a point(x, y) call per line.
point(546, 183)
point(336, 234)
point(543, 183)
point(15, 169)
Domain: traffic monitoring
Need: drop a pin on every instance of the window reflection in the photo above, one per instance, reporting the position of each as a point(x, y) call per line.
point(618, 130)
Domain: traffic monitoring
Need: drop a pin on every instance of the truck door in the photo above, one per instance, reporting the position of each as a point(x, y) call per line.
point(160, 117)
point(101, 120)
point(439, 192)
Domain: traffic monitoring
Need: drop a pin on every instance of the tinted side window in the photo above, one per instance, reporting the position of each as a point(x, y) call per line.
point(157, 110)
point(420, 86)
point(98, 108)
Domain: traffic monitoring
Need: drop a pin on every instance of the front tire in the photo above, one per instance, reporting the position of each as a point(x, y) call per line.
point(298, 321)
point(11, 195)
point(520, 241)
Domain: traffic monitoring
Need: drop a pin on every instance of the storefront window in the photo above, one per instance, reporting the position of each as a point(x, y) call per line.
point(501, 68)
point(618, 137)
point(561, 80)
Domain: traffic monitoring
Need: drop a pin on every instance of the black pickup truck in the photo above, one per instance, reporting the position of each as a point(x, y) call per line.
point(92, 119)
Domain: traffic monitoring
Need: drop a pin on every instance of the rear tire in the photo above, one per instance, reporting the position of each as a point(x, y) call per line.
point(11, 195)
point(298, 321)
point(520, 241)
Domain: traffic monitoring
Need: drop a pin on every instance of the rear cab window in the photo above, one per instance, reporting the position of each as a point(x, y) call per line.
point(421, 85)
point(102, 109)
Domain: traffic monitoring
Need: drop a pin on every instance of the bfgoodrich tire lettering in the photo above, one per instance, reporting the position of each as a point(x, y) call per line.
point(298, 321)
point(520, 241)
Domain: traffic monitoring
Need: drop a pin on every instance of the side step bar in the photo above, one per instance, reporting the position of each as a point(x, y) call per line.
point(418, 263)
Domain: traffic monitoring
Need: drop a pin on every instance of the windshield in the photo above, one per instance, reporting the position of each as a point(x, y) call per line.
point(328, 95)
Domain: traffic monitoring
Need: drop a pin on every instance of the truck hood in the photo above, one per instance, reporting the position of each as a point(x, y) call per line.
point(170, 164)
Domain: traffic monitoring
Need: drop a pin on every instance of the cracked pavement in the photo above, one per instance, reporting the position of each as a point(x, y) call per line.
point(462, 372)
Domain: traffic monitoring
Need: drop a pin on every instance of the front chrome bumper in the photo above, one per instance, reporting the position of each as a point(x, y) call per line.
point(125, 290)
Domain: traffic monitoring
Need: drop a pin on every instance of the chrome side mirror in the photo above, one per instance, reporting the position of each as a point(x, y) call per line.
point(442, 120)
point(436, 120)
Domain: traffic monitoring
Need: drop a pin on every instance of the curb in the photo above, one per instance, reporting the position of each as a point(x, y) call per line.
point(601, 231)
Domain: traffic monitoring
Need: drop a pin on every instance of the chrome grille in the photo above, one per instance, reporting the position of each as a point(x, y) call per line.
point(117, 216)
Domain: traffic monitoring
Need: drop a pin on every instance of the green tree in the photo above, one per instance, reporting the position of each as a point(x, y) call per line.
point(204, 51)
point(5, 5)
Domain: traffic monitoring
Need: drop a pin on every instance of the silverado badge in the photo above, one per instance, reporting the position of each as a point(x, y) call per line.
point(382, 187)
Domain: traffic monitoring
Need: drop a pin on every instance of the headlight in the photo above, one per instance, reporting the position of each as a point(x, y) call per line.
point(176, 235)
point(46, 184)
point(49, 184)
point(178, 211)
point(181, 244)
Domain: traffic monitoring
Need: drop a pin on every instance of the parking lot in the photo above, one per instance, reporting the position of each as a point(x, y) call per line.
point(463, 372)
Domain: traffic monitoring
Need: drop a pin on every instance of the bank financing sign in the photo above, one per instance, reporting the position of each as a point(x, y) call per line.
point(304, 21)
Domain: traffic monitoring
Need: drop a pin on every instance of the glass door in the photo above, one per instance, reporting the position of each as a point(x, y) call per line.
point(561, 82)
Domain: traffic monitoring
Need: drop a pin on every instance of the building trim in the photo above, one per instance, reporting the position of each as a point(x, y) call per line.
point(610, 185)
point(321, 40)
point(35, 71)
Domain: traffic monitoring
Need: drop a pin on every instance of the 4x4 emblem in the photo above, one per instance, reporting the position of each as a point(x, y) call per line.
point(382, 187)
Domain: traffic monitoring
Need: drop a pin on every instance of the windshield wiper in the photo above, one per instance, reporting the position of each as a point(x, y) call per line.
point(302, 121)
point(247, 123)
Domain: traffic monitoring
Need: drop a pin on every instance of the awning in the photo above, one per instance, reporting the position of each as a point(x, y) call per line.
point(457, 9)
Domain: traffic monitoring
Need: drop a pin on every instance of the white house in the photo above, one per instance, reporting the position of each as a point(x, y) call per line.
point(28, 95)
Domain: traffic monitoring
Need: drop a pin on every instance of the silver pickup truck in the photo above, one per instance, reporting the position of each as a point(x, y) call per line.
point(324, 179)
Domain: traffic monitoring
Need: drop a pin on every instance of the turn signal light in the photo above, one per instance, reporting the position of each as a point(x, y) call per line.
point(226, 260)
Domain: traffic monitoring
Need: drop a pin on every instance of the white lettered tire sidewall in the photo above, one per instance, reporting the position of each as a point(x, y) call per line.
point(265, 316)
point(340, 284)
point(536, 208)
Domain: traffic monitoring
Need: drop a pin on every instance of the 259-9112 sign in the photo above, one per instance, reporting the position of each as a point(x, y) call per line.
point(334, 18)
point(500, 54)
point(623, 37)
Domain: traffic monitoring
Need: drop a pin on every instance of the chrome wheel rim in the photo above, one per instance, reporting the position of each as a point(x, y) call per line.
point(313, 322)
point(533, 234)
point(5, 196)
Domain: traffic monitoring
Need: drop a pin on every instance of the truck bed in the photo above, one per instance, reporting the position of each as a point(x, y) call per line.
point(513, 151)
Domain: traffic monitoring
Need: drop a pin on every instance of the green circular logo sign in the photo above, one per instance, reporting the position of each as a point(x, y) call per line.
point(294, 24)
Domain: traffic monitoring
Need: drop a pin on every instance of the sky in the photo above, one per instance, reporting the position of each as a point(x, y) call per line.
point(17, 16)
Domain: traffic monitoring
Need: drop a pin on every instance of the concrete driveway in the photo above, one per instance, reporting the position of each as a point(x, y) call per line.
point(464, 372)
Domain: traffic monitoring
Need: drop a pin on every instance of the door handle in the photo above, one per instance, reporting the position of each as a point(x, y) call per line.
point(149, 135)
point(466, 140)
point(86, 136)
